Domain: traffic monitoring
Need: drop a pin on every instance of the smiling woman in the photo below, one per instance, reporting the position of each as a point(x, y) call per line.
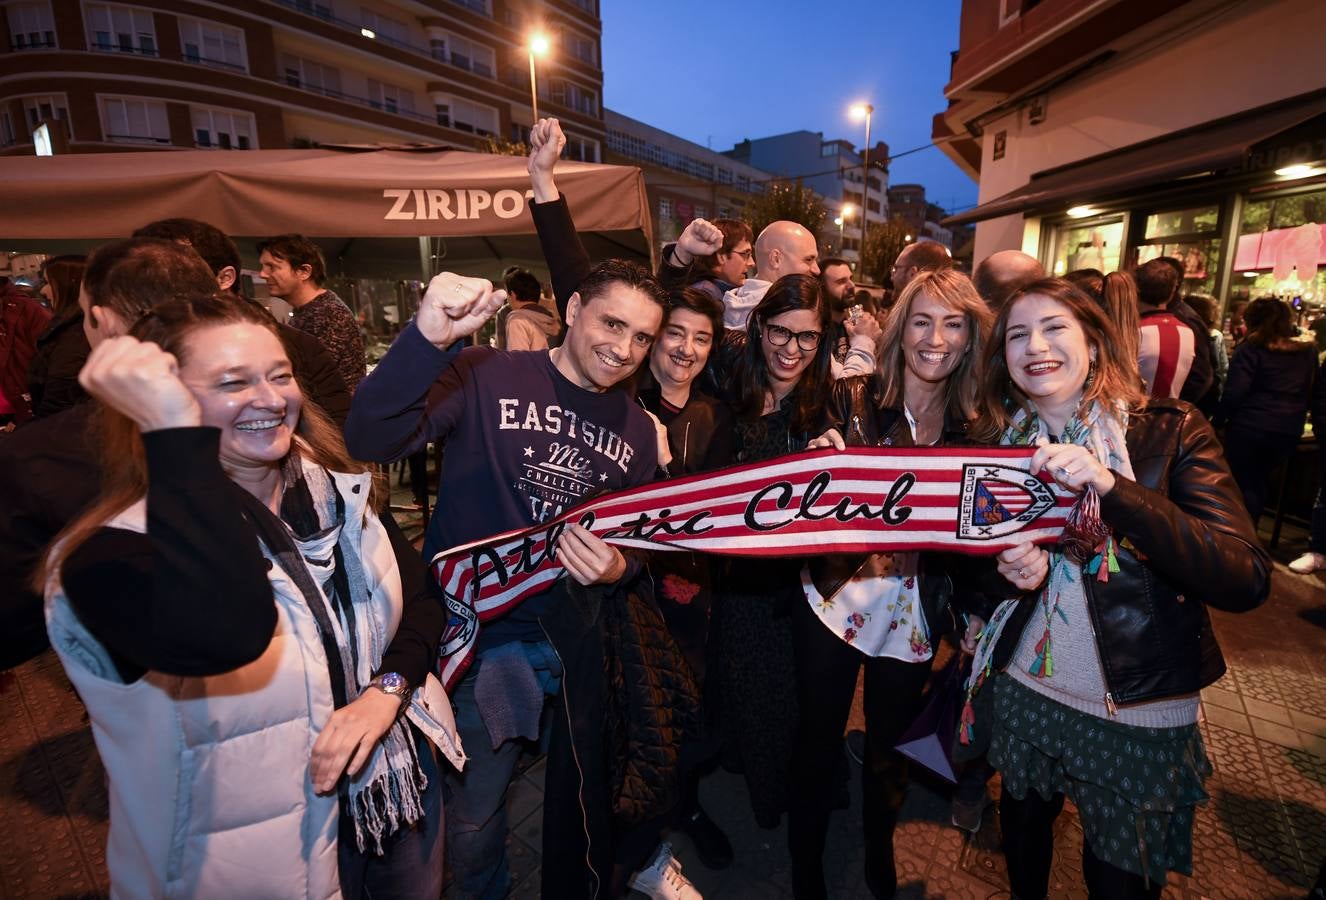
point(1100, 652)
point(238, 557)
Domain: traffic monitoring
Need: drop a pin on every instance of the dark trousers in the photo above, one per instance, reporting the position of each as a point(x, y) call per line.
point(1253, 456)
point(826, 673)
point(1028, 829)
point(1317, 538)
point(411, 867)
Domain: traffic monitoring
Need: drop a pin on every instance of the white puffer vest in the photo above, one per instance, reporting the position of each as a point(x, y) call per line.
point(209, 784)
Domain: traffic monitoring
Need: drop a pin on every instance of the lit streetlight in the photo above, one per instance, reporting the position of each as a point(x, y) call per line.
point(864, 111)
point(538, 46)
point(844, 212)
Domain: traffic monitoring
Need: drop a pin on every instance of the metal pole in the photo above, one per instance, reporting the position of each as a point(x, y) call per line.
point(534, 89)
point(865, 190)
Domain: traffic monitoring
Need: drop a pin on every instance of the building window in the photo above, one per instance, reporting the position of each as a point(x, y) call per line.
point(479, 6)
point(392, 30)
point(223, 129)
point(463, 54)
point(31, 26)
point(724, 175)
point(571, 95)
point(872, 205)
point(520, 133)
point(589, 6)
point(321, 10)
point(725, 212)
point(466, 115)
point(581, 47)
point(212, 44)
point(134, 120)
point(7, 135)
point(311, 76)
point(1274, 252)
point(121, 29)
point(664, 208)
point(38, 109)
point(581, 149)
point(390, 97)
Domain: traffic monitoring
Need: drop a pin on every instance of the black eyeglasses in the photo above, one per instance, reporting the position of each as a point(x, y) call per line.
point(779, 336)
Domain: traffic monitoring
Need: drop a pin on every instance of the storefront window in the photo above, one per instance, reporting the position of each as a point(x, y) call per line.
point(1282, 251)
point(1188, 235)
point(1088, 245)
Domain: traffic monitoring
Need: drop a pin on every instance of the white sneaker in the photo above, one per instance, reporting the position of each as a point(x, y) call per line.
point(662, 878)
point(1308, 563)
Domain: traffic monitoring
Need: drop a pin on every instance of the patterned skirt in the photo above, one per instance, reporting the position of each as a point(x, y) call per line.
point(1135, 788)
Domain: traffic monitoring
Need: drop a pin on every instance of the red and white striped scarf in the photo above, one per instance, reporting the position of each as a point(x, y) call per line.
point(977, 500)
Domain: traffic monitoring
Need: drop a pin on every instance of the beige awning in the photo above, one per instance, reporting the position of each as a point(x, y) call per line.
point(1213, 147)
point(323, 193)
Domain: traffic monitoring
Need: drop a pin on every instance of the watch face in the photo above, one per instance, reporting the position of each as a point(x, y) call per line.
point(393, 682)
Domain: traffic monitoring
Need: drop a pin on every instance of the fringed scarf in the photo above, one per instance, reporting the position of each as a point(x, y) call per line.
point(1087, 547)
point(320, 554)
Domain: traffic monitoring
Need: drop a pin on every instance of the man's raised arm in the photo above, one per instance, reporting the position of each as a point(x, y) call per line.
point(415, 393)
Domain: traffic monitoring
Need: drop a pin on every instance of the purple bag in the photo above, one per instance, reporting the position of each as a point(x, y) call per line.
point(928, 741)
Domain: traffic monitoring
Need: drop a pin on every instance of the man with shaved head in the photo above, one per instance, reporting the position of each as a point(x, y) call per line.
point(783, 248)
point(1000, 275)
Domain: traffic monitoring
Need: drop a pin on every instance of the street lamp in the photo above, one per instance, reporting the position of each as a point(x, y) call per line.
point(538, 46)
point(864, 111)
point(843, 213)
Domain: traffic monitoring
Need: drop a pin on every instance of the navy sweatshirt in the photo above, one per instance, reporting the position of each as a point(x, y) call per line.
point(523, 444)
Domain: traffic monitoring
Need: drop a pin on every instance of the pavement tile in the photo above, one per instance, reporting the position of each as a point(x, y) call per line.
point(1284, 735)
point(1315, 725)
point(1228, 718)
point(1219, 696)
point(1271, 712)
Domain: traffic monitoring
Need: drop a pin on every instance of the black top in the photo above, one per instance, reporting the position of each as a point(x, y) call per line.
point(53, 373)
point(190, 596)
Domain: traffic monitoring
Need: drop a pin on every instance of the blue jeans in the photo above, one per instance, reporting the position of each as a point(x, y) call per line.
point(476, 798)
point(411, 868)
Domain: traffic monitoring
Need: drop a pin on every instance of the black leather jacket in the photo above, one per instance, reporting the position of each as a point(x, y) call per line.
point(854, 410)
point(1184, 542)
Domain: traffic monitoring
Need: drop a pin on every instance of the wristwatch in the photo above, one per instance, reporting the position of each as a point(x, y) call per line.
point(393, 684)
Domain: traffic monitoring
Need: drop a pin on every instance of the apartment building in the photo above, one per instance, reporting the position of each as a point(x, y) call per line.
point(834, 170)
point(684, 180)
point(246, 74)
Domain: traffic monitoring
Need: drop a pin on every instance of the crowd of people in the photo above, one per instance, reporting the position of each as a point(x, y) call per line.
point(196, 521)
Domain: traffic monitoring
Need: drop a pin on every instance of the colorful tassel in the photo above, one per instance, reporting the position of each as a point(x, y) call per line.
point(1043, 665)
point(1105, 562)
point(967, 725)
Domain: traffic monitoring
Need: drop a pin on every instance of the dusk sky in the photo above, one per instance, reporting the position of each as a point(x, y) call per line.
point(716, 73)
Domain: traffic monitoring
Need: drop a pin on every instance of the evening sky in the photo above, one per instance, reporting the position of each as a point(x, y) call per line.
point(718, 72)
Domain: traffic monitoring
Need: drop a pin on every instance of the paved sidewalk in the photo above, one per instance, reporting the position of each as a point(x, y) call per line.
point(1262, 835)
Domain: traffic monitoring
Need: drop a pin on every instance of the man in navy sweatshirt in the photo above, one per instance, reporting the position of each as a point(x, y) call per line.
point(528, 435)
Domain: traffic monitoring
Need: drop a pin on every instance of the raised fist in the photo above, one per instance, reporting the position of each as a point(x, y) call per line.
point(701, 238)
point(546, 142)
point(142, 381)
point(455, 307)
